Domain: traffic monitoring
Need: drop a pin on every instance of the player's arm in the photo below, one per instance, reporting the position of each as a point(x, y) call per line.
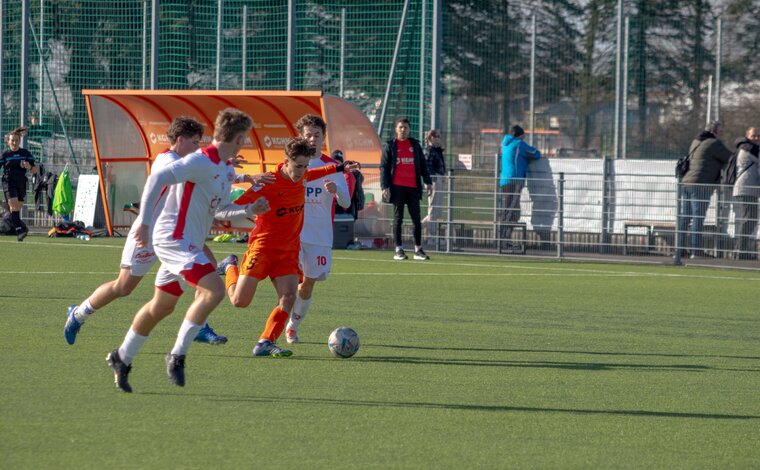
point(321, 172)
point(234, 211)
point(342, 195)
point(179, 171)
point(152, 191)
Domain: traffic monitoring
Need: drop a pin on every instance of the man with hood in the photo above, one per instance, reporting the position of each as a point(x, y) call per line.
point(514, 166)
point(746, 193)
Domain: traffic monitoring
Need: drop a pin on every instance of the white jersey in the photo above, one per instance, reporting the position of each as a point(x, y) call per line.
point(319, 210)
point(203, 184)
point(162, 159)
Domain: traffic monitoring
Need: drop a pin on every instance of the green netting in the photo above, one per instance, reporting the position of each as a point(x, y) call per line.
point(485, 65)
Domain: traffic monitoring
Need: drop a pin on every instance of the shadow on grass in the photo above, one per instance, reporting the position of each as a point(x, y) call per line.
point(582, 366)
point(555, 351)
point(461, 407)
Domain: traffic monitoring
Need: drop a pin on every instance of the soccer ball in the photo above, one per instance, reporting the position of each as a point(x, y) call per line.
point(343, 342)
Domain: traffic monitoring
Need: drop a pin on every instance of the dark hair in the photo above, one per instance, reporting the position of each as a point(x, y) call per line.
point(298, 147)
point(713, 127)
point(338, 155)
point(517, 131)
point(400, 120)
point(229, 123)
point(184, 126)
point(311, 120)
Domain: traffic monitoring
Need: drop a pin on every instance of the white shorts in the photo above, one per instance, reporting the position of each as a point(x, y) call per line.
point(138, 260)
point(315, 260)
point(180, 261)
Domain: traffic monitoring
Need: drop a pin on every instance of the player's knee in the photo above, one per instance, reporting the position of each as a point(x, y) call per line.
point(239, 302)
point(287, 300)
point(123, 290)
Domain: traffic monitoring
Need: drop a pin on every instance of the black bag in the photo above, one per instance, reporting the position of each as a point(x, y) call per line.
point(728, 175)
point(682, 165)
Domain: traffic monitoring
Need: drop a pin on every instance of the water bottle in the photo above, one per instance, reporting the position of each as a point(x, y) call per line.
point(83, 236)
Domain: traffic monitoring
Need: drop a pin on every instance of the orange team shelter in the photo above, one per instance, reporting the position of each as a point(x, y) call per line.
point(129, 129)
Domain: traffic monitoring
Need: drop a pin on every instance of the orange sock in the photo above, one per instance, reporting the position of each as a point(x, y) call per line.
point(231, 277)
point(275, 324)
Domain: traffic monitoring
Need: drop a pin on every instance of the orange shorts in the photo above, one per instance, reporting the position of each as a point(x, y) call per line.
point(261, 263)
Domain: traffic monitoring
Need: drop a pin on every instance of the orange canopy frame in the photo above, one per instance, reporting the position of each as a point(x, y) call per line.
point(129, 129)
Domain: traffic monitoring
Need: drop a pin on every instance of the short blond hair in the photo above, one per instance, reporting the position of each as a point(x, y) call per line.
point(229, 123)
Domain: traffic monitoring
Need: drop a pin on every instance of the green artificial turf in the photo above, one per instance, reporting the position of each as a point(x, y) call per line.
point(465, 362)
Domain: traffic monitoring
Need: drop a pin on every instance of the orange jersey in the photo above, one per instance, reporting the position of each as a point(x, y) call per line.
point(280, 228)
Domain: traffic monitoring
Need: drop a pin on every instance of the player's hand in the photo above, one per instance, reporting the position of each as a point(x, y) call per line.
point(260, 179)
point(260, 206)
point(142, 235)
point(349, 165)
point(386, 194)
point(331, 187)
point(237, 161)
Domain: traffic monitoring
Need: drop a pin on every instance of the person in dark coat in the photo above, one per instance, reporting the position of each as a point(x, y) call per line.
point(403, 173)
point(708, 157)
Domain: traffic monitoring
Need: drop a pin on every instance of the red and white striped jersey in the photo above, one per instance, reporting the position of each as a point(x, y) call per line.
point(203, 185)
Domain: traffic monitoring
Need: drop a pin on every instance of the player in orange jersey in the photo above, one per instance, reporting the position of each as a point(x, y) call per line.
point(274, 243)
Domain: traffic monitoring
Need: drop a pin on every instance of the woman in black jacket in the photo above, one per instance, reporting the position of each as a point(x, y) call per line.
point(402, 173)
point(436, 164)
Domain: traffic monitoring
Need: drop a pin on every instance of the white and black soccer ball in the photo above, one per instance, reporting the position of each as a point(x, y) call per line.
point(343, 342)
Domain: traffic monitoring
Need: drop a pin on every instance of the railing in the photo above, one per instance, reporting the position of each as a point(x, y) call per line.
point(577, 214)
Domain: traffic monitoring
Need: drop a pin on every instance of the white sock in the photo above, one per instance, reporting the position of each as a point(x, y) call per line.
point(417, 247)
point(300, 309)
point(131, 346)
point(83, 312)
point(187, 333)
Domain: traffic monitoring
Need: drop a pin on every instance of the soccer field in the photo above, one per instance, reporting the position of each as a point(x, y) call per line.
point(465, 362)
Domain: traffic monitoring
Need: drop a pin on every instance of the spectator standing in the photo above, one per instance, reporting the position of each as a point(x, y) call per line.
point(436, 164)
point(708, 156)
point(15, 161)
point(402, 174)
point(746, 193)
point(515, 154)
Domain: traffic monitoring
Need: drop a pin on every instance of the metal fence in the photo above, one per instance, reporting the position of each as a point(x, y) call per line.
point(608, 209)
point(625, 79)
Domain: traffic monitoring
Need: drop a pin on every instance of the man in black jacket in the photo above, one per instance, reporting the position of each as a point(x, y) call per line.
point(708, 156)
point(402, 173)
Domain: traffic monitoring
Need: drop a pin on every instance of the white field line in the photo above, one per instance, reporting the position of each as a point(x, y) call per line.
point(542, 268)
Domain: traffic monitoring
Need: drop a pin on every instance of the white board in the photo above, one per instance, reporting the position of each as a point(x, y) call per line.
point(87, 199)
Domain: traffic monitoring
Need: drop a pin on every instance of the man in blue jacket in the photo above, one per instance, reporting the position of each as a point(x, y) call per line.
point(514, 166)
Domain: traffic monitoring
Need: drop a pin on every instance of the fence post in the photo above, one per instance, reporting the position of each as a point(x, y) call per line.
point(154, 18)
point(41, 83)
point(618, 50)
point(607, 164)
point(2, 15)
point(388, 85)
point(219, 11)
point(342, 50)
point(244, 32)
point(450, 189)
point(435, 86)
point(561, 217)
point(291, 52)
point(421, 98)
point(679, 217)
point(718, 60)
point(24, 99)
point(533, 81)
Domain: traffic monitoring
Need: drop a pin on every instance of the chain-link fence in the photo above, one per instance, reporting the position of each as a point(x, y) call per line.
point(619, 78)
